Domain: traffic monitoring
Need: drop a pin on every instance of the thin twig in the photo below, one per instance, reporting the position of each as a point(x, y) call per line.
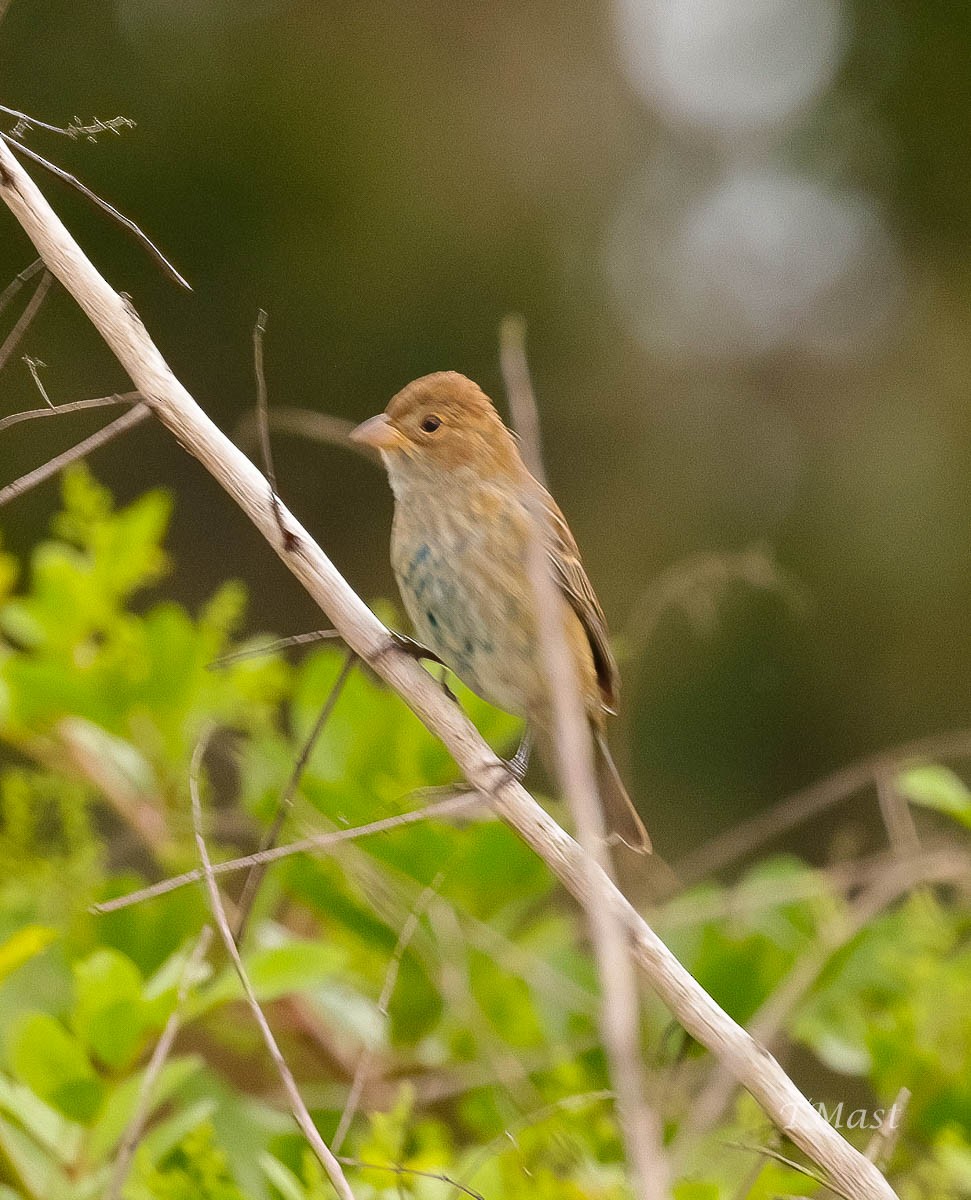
point(898, 819)
point(14, 337)
point(519, 392)
point(163, 1047)
point(98, 202)
point(620, 1004)
point(60, 410)
point(882, 1144)
point(18, 281)
point(285, 804)
point(396, 1169)
point(33, 365)
point(262, 408)
point(694, 1008)
point(384, 1000)
point(789, 1162)
point(303, 422)
point(297, 1106)
point(727, 848)
point(318, 841)
point(24, 484)
point(76, 129)
point(945, 862)
point(298, 639)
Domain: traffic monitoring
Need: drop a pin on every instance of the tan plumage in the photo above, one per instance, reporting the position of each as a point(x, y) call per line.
point(460, 538)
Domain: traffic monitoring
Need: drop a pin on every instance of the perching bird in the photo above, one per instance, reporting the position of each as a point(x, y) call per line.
point(459, 547)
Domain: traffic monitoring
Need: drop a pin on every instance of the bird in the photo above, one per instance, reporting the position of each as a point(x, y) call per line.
point(464, 505)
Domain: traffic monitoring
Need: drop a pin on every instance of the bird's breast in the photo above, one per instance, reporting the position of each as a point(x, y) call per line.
point(461, 571)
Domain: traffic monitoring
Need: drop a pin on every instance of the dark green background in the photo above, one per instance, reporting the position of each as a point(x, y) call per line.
point(388, 180)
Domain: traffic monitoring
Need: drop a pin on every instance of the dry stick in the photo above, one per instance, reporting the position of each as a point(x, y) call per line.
point(297, 1106)
point(884, 1140)
point(898, 819)
point(262, 408)
point(73, 131)
point(128, 421)
point(303, 422)
point(387, 990)
point(98, 202)
point(519, 393)
point(13, 338)
point(620, 1001)
point(60, 410)
point(18, 281)
point(397, 1169)
point(127, 337)
point(729, 847)
point(255, 877)
point(318, 841)
point(163, 1047)
point(297, 639)
point(768, 1153)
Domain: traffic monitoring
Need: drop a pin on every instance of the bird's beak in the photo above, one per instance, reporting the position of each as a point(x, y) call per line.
point(378, 433)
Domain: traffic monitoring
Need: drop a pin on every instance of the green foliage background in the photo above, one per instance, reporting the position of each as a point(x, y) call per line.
point(486, 1066)
point(779, 539)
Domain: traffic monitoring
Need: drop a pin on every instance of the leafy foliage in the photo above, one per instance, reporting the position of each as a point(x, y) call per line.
point(485, 1065)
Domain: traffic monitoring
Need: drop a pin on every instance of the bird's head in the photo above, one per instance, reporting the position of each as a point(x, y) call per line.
point(437, 425)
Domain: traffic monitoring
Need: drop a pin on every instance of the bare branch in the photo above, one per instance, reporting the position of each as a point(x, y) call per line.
point(519, 393)
point(766, 1152)
point(60, 410)
point(396, 1169)
point(262, 408)
point(318, 841)
point(18, 281)
point(736, 843)
point(882, 1144)
point(620, 1003)
point(297, 639)
point(77, 128)
point(302, 422)
point(163, 1047)
point(127, 337)
point(98, 202)
point(255, 876)
point(24, 484)
point(13, 338)
point(327, 1160)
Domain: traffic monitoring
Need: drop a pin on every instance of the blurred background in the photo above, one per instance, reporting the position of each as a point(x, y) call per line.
point(738, 231)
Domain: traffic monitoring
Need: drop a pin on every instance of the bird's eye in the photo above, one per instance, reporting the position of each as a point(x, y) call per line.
point(430, 424)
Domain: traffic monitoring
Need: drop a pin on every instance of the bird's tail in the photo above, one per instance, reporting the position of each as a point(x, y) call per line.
point(623, 819)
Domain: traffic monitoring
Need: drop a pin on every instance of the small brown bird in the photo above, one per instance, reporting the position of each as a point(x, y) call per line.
point(459, 546)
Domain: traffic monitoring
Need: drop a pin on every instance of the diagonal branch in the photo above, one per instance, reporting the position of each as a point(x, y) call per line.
point(123, 331)
point(120, 425)
point(15, 335)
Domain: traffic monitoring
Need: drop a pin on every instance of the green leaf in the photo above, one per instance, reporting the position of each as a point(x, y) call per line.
point(53, 1063)
point(109, 1012)
point(24, 945)
point(936, 787)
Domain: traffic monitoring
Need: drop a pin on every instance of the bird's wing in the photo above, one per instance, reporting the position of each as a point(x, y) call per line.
point(572, 578)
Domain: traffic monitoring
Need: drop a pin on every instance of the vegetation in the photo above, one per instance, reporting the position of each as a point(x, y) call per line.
point(439, 954)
